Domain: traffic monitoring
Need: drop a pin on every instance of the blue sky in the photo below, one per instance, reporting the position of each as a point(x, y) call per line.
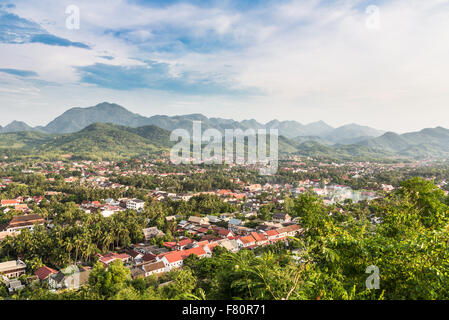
point(19, 73)
point(17, 30)
point(305, 60)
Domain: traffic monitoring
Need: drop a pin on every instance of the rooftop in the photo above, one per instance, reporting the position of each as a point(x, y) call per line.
point(10, 265)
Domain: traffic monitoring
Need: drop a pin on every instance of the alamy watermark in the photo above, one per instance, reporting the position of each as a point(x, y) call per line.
point(250, 147)
point(373, 281)
point(373, 20)
point(72, 22)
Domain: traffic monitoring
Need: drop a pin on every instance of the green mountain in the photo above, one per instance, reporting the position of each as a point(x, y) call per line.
point(24, 139)
point(103, 141)
point(96, 141)
point(425, 143)
point(109, 130)
point(342, 152)
point(314, 148)
point(389, 141)
point(76, 119)
point(108, 140)
point(157, 136)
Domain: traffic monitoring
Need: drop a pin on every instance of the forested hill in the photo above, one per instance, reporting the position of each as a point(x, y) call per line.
point(111, 141)
point(97, 141)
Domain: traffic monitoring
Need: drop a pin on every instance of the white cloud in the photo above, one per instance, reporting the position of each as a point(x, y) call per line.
point(313, 61)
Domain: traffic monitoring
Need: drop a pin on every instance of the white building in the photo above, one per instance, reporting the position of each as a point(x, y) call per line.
point(135, 204)
point(154, 268)
point(12, 269)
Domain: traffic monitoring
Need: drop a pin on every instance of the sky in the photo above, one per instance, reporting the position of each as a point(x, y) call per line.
point(378, 63)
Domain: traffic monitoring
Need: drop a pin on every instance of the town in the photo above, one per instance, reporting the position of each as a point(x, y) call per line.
point(152, 216)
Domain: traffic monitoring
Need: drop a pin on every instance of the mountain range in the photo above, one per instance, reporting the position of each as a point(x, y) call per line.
point(76, 119)
point(111, 131)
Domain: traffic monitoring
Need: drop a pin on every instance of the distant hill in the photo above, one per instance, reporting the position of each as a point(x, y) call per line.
point(319, 128)
point(111, 130)
point(104, 141)
point(425, 143)
point(111, 141)
point(186, 122)
point(317, 139)
point(156, 136)
point(343, 152)
point(351, 133)
point(16, 126)
point(389, 141)
point(96, 141)
point(24, 139)
point(293, 129)
point(76, 119)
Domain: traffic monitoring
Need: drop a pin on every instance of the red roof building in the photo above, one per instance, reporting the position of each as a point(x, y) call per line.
point(260, 238)
point(247, 241)
point(175, 259)
point(111, 257)
point(182, 243)
point(272, 235)
point(148, 257)
point(170, 245)
point(10, 203)
point(44, 272)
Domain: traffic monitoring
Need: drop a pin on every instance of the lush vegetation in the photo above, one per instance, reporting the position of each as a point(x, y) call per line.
point(405, 235)
point(111, 141)
point(97, 141)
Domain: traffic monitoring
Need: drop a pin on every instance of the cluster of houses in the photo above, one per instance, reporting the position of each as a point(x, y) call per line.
point(112, 206)
point(16, 204)
point(143, 262)
point(212, 235)
point(249, 195)
point(72, 277)
point(147, 260)
point(5, 181)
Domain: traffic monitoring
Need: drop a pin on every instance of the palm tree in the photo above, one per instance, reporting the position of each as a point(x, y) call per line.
point(108, 239)
point(89, 251)
point(69, 247)
point(77, 243)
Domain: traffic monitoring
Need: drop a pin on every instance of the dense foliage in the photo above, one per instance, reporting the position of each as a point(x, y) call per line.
point(405, 235)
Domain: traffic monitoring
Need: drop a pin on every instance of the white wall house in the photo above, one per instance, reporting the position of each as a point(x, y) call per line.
point(135, 204)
